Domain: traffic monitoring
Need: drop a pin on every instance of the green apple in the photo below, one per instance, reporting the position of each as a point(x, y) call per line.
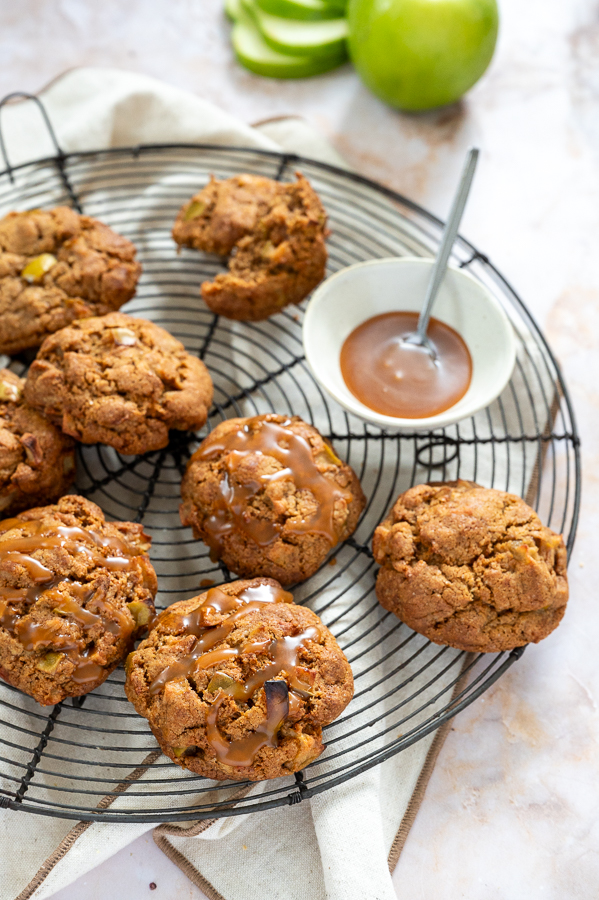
point(255, 54)
point(233, 9)
point(420, 54)
point(298, 38)
point(310, 10)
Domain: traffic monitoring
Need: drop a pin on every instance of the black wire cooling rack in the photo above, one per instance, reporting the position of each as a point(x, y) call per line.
point(94, 758)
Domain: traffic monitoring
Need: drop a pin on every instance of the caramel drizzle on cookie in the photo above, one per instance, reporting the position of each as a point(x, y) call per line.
point(65, 595)
point(258, 435)
point(243, 751)
point(282, 653)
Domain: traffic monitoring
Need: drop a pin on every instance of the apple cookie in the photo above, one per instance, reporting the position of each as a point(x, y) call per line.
point(75, 593)
point(270, 497)
point(37, 461)
point(238, 682)
point(57, 266)
point(274, 234)
point(471, 567)
point(121, 381)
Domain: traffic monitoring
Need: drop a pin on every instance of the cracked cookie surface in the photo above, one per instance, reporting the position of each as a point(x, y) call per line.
point(57, 266)
point(75, 593)
point(37, 461)
point(238, 682)
point(275, 232)
point(270, 497)
point(121, 381)
point(471, 567)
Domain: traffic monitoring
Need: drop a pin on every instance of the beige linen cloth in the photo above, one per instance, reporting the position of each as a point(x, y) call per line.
point(343, 843)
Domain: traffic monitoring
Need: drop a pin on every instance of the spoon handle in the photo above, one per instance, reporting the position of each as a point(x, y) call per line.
point(449, 236)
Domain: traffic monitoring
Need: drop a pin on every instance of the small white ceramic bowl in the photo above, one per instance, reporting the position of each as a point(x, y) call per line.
point(367, 289)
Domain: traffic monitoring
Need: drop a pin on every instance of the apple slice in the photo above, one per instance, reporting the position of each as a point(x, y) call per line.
point(233, 9)
point(304, 10)
point(255, 54)
point(299, 38)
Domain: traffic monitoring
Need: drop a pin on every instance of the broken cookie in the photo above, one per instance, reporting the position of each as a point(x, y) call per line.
point(273, 233)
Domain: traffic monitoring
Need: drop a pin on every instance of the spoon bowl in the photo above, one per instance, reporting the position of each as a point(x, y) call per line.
point(350, 297)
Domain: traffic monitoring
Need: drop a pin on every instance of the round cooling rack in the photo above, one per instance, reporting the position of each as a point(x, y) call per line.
point(94, 758)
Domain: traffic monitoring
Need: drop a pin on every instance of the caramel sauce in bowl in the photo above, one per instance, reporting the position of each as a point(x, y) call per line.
point(347, 300)
point(396, 378)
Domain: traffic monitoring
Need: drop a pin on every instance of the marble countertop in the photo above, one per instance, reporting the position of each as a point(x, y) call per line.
point(510, 811)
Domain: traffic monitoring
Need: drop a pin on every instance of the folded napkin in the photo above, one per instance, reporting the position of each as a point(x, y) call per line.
point(344, 842)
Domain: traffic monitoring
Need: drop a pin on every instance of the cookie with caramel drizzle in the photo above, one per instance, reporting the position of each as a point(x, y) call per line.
point(238, 682)
point(270, 497)
point(75, 593)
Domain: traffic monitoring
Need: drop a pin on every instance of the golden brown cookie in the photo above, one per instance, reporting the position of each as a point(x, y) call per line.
point(75, 593)
point(37, 461)
point(470, 567)
point(277, 233)
point(270, 497)
point(238, 682)
point(121, 381)
point(57, 266)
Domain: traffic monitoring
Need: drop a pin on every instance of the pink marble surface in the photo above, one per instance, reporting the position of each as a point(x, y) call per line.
point(510, 811)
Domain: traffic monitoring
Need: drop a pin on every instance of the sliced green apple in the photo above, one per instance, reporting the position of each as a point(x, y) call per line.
point(233, 9)
point(304, 10)
point(255, 54)
point(299, 38)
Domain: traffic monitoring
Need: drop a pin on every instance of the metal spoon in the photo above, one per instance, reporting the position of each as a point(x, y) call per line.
point(419, 337)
